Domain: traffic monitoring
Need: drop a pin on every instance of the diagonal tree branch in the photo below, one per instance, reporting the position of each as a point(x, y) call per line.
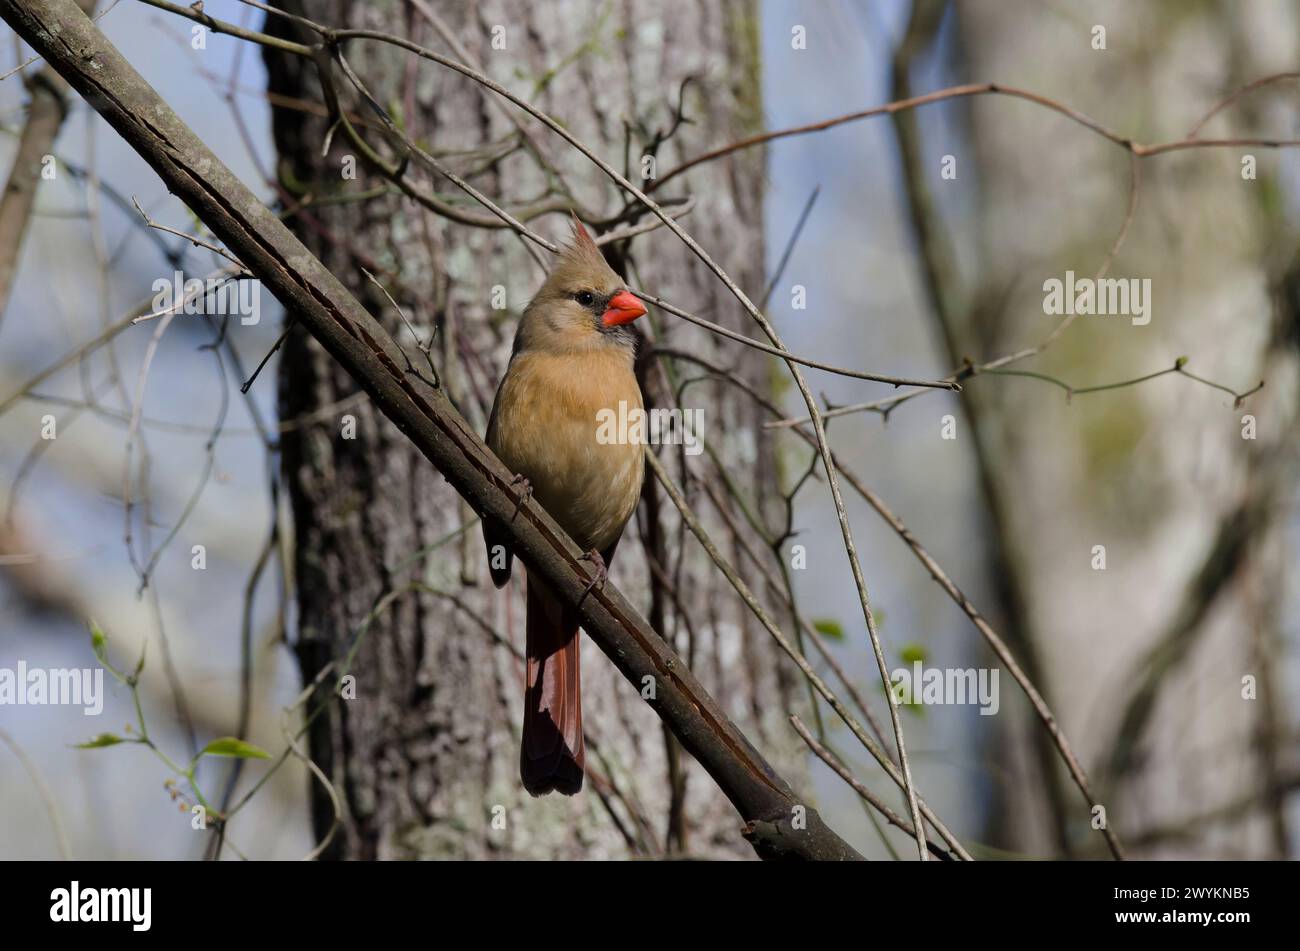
point(777, 824)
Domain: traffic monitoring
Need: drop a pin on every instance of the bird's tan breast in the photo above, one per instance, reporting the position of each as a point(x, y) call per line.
point(545, 427)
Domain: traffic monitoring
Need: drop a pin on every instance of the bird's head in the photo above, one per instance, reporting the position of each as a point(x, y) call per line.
point(582, 305)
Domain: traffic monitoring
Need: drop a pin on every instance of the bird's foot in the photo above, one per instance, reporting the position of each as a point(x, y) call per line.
point(525, 492)
point(601, 572)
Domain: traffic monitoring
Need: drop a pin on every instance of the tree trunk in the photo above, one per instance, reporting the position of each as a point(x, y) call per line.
point(424, 759)
point(1144, 660)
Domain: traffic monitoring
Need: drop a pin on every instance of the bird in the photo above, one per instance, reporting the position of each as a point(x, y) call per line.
point(574, 355)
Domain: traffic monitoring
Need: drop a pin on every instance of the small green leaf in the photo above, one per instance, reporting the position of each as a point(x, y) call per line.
point(911, 653)
point(104, 739)
point(230, 746)
point(830, 627)
point(99, 643)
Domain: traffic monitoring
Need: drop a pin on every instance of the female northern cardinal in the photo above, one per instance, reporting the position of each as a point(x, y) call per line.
point(573, 358)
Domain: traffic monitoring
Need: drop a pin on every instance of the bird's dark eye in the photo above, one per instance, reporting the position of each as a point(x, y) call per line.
point(585, 298)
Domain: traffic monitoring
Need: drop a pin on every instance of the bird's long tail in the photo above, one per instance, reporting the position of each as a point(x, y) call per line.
point(552, 754)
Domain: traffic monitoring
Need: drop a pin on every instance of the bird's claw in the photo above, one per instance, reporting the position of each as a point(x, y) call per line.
point(601, 572)
point(525, 493)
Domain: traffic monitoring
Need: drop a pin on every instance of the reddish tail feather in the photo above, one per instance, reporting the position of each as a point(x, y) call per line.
point(551, 757)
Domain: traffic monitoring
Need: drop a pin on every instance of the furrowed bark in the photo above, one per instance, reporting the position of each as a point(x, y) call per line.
point(73, 46)
point(422, 759)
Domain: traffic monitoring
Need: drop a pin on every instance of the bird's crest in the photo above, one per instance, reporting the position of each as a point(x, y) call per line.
point(581, 255)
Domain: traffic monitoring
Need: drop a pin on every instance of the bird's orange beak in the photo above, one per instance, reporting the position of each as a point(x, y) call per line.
point(623, 309)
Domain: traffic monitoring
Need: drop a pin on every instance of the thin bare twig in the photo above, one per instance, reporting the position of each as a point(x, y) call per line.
point(860, 788)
